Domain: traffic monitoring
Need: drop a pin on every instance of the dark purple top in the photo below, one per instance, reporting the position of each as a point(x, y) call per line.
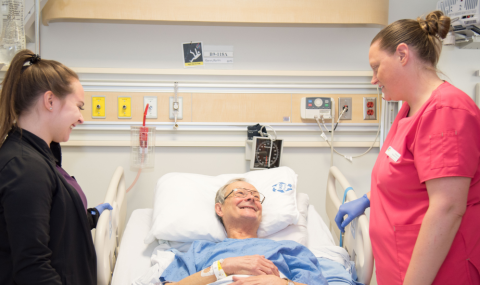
point(75, 185)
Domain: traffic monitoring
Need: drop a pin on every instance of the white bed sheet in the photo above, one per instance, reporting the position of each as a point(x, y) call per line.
point(134, 255)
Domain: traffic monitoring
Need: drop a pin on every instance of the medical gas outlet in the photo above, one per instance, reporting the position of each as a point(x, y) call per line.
point(152, 112)
point(124, 107)
point(175, 107)
point(316, 107)
point(345, 108)
point(98, 107)
point(369, 108)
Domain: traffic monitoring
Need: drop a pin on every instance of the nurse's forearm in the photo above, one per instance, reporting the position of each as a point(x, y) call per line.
point(368, 195)
point(432, 246)
point(447, 204)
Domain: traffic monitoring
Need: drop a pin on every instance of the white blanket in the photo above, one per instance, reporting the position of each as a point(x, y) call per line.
point(160, 259)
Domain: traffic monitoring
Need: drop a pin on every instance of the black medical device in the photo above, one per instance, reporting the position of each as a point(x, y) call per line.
point(267, 153)
point(254, 131)
point(266, 149)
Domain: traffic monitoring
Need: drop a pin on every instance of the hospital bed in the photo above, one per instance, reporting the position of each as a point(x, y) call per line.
point(130, 256)
point(110, 228)
point(357, 238)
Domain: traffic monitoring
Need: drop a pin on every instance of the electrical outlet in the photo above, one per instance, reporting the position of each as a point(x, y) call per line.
point(345, 102)
point(98, 107)
point(152, 112)
point(124, 107)
point(369, 108)
point(180, 108)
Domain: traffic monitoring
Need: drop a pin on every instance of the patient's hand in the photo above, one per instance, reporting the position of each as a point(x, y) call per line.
point(249, 265)
point(257, 280)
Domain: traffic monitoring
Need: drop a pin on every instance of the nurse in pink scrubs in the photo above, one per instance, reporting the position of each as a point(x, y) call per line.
point(425, 190)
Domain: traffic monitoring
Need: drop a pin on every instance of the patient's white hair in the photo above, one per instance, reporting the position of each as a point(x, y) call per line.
point(220, 197)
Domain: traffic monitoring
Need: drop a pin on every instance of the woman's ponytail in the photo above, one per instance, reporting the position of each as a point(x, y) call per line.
point(8, 113)
point(28, 77)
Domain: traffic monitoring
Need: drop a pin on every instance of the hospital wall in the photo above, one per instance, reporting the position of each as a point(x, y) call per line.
point(122, 45)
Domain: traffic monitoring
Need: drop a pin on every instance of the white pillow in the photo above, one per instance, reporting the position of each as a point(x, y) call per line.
point(184, 205)
point(299, 231)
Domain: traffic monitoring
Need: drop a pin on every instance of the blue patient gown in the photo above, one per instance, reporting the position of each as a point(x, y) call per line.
point(294, 260)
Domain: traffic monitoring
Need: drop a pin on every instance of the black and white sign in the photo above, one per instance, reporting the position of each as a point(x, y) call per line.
point(218, 53)
point(218, 56)
point(192, 54)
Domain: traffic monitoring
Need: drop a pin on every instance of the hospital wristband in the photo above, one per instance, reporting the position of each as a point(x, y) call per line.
point(218, 270)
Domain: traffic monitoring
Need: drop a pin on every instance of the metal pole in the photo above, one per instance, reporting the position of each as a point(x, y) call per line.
point(37, 27)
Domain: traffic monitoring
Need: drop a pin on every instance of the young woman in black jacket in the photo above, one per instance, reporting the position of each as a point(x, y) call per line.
point(45, 225)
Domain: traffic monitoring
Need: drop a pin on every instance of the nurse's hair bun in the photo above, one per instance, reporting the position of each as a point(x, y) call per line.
point(435, 24)
point(421, 35)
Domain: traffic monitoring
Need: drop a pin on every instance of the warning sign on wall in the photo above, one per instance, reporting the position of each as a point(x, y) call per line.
point(192, 54)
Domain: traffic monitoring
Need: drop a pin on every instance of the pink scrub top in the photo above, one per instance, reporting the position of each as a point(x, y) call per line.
point(441, 140)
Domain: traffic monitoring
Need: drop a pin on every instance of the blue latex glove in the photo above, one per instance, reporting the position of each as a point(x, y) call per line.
point(100, 208)
point(353, 209)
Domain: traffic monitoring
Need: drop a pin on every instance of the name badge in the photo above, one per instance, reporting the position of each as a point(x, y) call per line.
point(393, 154)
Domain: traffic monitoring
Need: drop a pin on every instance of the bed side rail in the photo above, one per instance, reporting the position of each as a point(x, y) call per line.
point(110, 228)
point(116, 194)
point(357, 239)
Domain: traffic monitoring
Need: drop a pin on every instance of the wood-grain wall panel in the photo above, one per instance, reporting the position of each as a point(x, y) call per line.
point(241, 107)
point(221, 11)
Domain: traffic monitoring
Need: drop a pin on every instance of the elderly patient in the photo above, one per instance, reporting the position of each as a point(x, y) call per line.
point(239, 206)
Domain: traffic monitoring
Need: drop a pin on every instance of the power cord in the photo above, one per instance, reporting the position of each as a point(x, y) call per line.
point(345, 109)
point(349, 158)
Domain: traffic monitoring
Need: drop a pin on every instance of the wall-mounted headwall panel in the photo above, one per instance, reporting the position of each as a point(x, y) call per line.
point(137, 106)
point(221, 11)
point(357, 102)
point(221, 107)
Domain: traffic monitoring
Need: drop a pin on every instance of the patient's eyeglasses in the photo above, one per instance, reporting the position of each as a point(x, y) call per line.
point(242, 193)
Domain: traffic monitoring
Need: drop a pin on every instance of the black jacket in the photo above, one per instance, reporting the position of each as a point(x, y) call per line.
point(45, 235)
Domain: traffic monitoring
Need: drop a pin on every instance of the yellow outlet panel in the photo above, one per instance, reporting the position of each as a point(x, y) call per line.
point(124, 107)
point(98, 107)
